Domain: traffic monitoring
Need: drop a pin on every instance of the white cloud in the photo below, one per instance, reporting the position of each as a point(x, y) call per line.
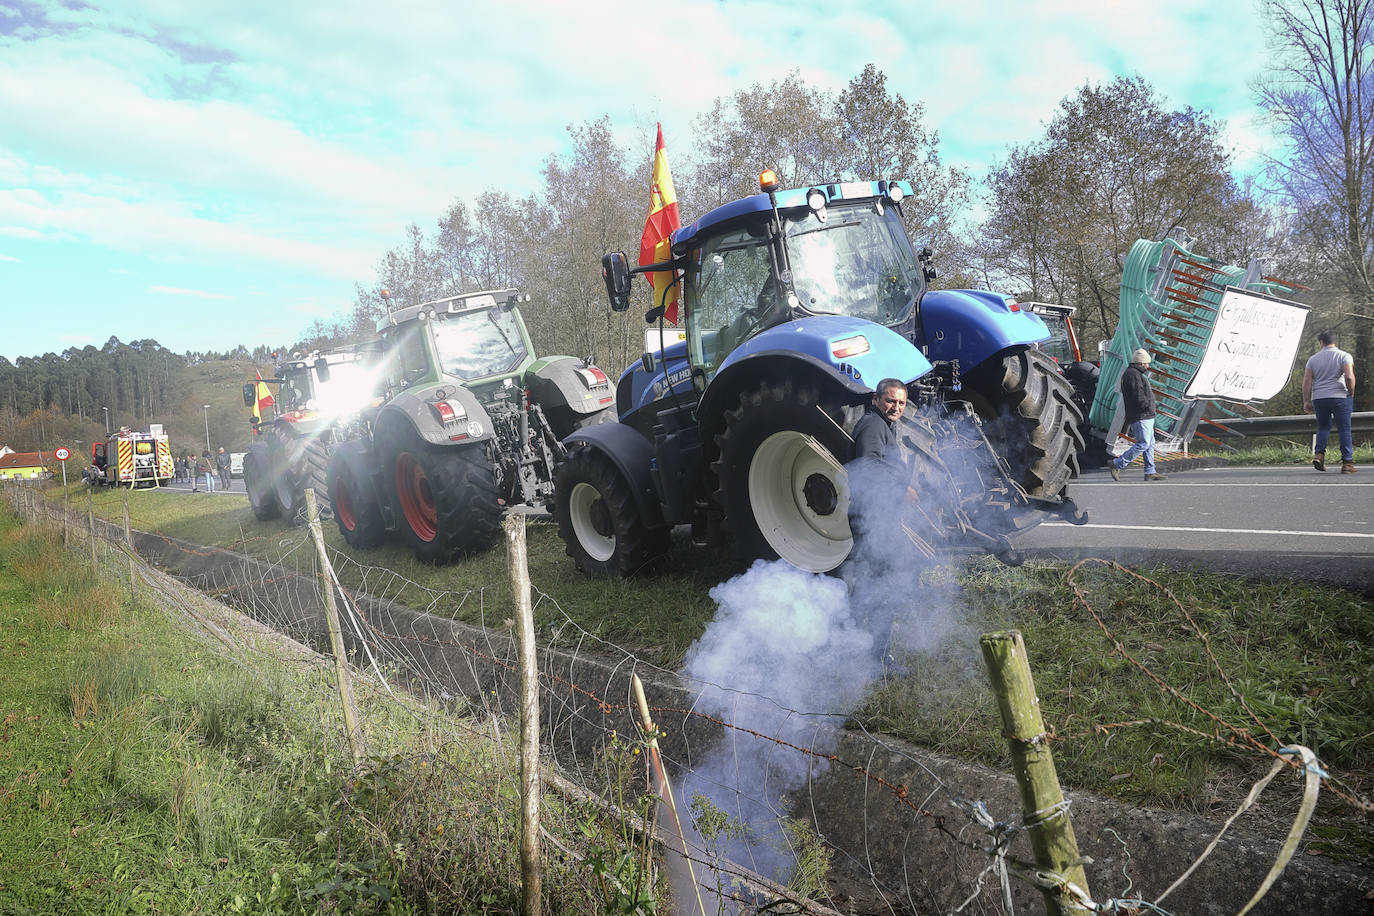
point(8, 258)
point(196, 293)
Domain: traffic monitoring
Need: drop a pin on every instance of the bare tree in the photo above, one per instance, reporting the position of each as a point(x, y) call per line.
point(1115, 165)
point(1321, 94)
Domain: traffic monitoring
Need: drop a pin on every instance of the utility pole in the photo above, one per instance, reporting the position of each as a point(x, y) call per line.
point(107, 421)
point(207, 427)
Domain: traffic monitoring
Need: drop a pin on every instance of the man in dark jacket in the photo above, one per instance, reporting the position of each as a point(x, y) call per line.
point(1138, 402)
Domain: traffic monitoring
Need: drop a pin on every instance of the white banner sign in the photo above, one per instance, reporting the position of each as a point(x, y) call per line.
point(1251, 350)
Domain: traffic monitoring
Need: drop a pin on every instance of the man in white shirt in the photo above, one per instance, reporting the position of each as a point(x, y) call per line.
point(1328, 390)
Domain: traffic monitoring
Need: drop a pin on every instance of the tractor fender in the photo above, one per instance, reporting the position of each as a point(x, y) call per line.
point(564, 380)
point(633, 456)
point(807, 348)
point(973, 325)
point(414, 409)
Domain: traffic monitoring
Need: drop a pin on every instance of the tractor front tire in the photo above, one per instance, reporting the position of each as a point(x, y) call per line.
point(446, 497)
point(598, 518)
point(355, 506)
point(1030, 419)
point(257, 480)
point(782, 479)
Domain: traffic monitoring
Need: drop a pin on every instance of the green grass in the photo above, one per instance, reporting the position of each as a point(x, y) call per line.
point(1273, 451)
point(145, 770)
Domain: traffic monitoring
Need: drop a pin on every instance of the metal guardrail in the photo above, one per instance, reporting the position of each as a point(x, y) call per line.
point(1361, 422)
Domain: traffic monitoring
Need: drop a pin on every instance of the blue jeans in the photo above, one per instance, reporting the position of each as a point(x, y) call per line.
point(1143, 432)
point(209, 483)
point(1338, 409)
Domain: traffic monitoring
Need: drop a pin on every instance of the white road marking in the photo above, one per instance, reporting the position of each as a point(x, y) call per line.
point(1313, 534)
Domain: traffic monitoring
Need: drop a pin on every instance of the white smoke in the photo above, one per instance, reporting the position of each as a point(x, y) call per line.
point(790, 654)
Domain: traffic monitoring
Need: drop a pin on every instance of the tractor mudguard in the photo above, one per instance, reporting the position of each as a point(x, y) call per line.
point(474, 426)
point(972, 325)
point(810, 346)
point(633, 456)
point(563, 381)
point(863, 351)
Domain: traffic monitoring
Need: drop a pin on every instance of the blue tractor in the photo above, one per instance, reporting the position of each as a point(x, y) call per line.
point(797, 303)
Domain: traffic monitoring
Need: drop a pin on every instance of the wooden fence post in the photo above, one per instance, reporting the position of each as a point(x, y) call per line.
point(90, 531)
point(129, 542)
point(1044, 811)
point(531, 872)
point(331, 614)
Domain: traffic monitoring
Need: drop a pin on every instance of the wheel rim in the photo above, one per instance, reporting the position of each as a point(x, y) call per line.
point(591, 522)
point(800, 497)
point(343, 500)
point(416, 497)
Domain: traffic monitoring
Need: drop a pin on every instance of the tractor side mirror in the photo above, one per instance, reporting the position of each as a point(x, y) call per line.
point(249, 394)
point(648, 363)
point(254, 421)
point(322, 370)
point(615, 270)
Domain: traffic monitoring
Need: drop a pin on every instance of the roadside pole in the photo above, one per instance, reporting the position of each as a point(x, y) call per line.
point(531, 870)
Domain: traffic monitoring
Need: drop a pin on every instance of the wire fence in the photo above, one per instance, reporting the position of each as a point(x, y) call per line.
point(765, 788)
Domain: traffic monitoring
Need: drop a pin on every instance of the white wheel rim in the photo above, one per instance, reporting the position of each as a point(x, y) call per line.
point(580, 502)
point(777, 475)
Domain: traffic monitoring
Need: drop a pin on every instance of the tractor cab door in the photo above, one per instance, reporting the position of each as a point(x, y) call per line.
point(731, 294)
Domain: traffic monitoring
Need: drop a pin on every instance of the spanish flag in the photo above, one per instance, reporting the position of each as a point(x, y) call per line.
point(264, 398)
point(655, 243)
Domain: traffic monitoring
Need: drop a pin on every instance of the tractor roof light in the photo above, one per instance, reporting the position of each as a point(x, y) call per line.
point(768, 180)
point(815, 199)
point(895, 192)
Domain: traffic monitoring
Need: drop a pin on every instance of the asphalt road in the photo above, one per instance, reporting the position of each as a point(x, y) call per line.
point(1283, 522)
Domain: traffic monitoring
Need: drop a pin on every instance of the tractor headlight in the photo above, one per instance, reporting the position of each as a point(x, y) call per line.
point(895, 192)
point(850, 346)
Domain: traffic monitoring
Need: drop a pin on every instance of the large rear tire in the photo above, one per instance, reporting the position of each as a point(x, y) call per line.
point(1030, 419)
point(598, 519)
point(782, 479)
point(302, 461)
point(446, 497)
point(355, 506)
point(257, 480)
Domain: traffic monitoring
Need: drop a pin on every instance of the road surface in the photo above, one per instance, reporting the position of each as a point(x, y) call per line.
point(1280, 522)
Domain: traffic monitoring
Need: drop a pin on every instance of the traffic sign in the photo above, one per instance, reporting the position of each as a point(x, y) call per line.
point(62, 454)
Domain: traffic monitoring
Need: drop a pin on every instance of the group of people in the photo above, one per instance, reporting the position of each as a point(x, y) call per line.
point(209, 471)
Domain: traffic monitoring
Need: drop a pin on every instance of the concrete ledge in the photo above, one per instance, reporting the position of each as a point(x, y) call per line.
point(906, 845)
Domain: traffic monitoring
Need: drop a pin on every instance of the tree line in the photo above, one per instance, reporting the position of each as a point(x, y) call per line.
point(1052, 221)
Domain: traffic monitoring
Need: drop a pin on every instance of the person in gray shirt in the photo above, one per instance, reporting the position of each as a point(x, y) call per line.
point(1328, 390)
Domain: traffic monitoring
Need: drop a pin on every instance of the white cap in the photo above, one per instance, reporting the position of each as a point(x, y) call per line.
point(1140, 357)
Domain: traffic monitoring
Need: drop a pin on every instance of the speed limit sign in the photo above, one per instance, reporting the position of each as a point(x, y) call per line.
point(62, 454)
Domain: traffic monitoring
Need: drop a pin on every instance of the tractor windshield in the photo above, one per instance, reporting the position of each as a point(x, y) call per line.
point(350, 386)
point(858, 262)
point(479, 343)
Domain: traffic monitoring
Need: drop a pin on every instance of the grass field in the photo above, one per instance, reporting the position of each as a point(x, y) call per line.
point(147, 769)
point(1284, 662)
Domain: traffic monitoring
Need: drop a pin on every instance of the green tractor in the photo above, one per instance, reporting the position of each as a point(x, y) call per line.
point(471, 424)
point(315, 395)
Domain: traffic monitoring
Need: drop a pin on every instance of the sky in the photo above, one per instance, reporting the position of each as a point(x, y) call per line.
point(226, 171)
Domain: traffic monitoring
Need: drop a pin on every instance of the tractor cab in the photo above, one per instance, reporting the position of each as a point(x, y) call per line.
point(836, 249)
point(471, 340)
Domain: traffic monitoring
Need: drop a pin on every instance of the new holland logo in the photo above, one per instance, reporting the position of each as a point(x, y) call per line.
point(661, 386)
